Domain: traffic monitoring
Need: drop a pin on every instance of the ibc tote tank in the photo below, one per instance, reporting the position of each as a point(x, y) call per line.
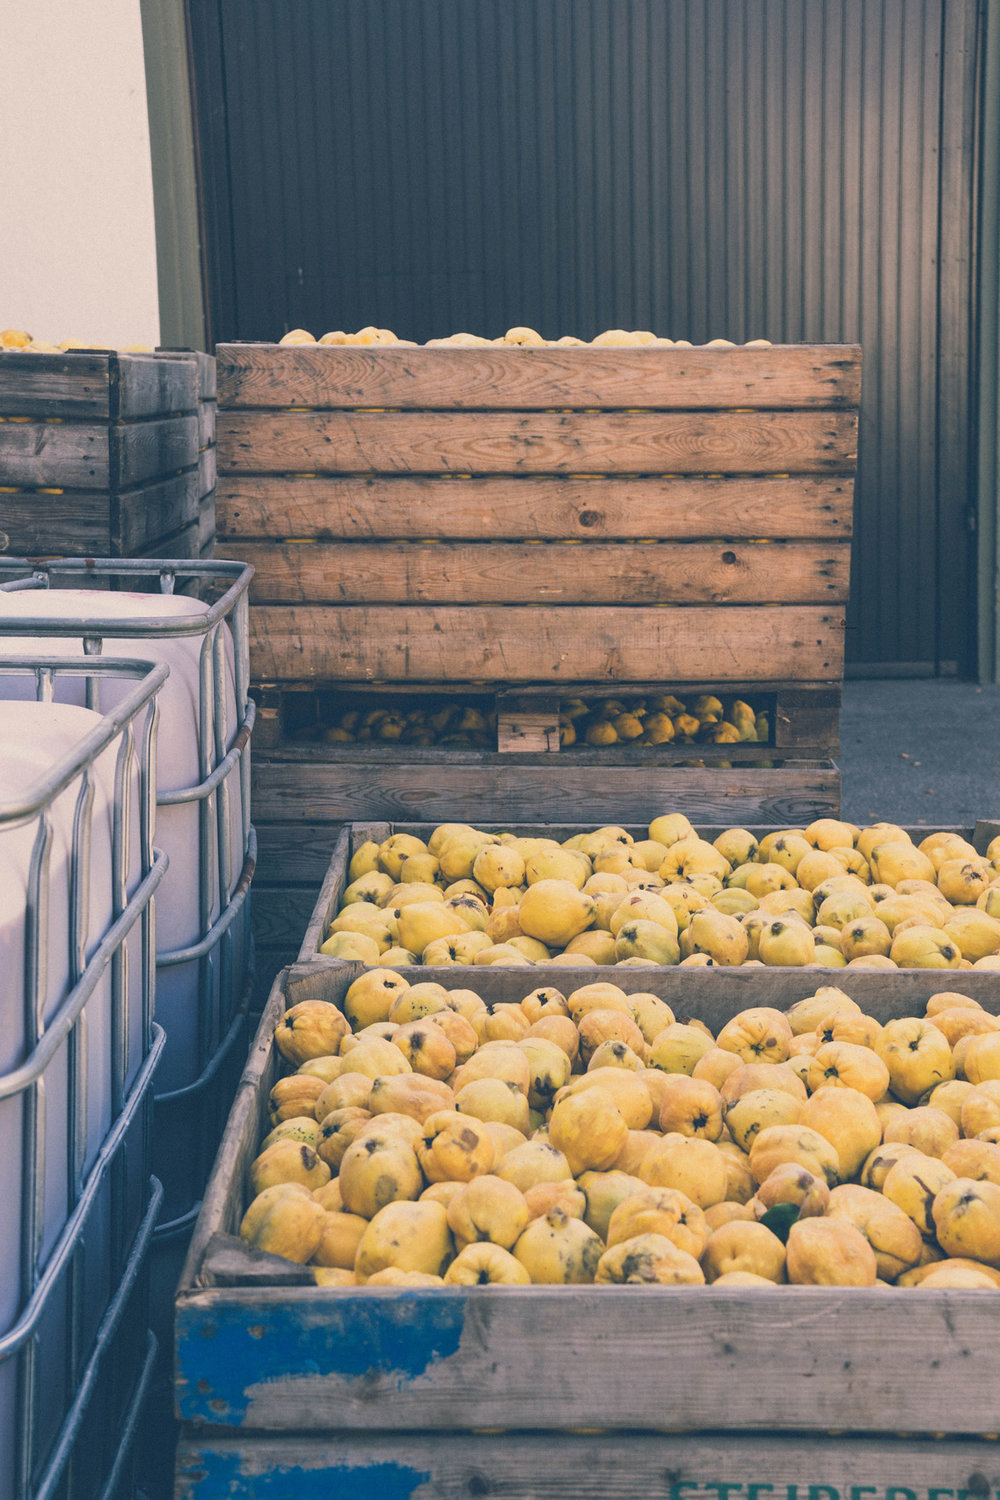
point(67, 871)
point(203, 828)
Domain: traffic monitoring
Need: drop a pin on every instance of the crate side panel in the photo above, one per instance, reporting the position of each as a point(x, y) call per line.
point(521, 644)
point(500, 794)
point(54, 385)
point(151, 449)
point(558, 573)
point(355, 442)
point(154, 511)
point(580, 1466)
point(545, 509)
point(69, 523)
point(605, 1357)
point(150, 386)
point(70, 455)
point(347, 376)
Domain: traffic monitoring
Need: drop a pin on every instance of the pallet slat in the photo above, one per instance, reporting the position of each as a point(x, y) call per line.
point(578, 1466)
point(397, 507)
point(330, 376)
point(433, 442)
point(343, 790)
point(521, 644)
point(513, 573)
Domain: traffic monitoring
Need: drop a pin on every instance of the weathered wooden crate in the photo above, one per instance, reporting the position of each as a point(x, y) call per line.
point(306, 871)
point(541, 515)
point(100, 454)
point(807, 1393)
point(543, 520)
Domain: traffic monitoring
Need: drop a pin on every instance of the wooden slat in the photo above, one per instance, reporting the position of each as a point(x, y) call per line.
point(520, 644)
point(83, 455)
point(280, 914)
point(544, 508)
point(345, 376)
point(508, 789)
point(55, 385)
point(148, 385)
point(154, 511)
point(206, 424)
point(552, 573)
point(142, 450)
point(70, 523)
point(527, 724)
point(580, 1466)
point(354, 442)
point(206, 471)
point(808, 718)
point(713, 995)
point(291, 853)
point(67, 455)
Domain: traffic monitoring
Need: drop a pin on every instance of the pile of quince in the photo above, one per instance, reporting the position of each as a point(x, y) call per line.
point(449, 723)
point(17, 341)
point(830, 894)
point(427, 1139)
point(661, 719)
point(514, 338)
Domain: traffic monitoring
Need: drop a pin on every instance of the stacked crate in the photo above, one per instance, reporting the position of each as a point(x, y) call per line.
point(525, 523)
point(102, 453)
point(597, 1392)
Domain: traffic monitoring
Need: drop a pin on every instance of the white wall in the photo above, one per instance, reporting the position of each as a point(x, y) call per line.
point(77, 243)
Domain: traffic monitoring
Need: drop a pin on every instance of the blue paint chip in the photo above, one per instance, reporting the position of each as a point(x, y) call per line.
point(229, 1474)
point(367, 1338)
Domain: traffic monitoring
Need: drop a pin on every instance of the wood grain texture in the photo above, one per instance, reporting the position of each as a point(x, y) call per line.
point(89, 456)
point(149, 385)
point(508, 790)
point(582, 1466)
point(522, 644)
point(353, 442)
point(206, 424)
point(55, 385)
point(154, 511)
point(553, 573)
point(144, 450)
point(496, 378)
point(546, 509)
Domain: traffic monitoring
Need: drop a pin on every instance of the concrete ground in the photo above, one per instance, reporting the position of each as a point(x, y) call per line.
point(920, 752)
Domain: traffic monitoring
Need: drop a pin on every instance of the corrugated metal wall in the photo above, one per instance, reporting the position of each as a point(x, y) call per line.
point(788, 169)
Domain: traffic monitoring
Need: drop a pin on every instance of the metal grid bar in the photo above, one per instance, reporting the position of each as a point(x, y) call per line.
point(43, 1038)
point(212, 793)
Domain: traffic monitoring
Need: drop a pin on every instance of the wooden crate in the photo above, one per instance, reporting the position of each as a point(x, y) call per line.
point(99, 454)
point(306, 871)
point(804, 1393)
point(541, 515)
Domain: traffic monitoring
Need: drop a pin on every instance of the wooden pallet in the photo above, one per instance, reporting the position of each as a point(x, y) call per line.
point(612, 1391)
point(100, 454)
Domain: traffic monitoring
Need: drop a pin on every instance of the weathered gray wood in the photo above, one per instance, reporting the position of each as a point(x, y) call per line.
point(352, 376)
point(148, 385)
point(543, 508)
point(154, 511)
point(504, 789)
point(142, 450)
point(699, 442)
point(329, 895)
point(292, 852)
point(280, 913)
point(55, 385)
point(393, 643)
point(206, 471)
point(589, 1466)
point(84, 455)
point(230, 1261)
point(206, 424)
point(489, 572)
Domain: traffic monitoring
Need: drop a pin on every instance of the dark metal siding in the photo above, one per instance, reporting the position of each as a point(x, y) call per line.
point(788, 169)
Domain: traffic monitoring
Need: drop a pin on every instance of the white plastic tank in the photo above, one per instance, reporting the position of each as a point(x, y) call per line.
point(34, 738)
point(191, 895)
